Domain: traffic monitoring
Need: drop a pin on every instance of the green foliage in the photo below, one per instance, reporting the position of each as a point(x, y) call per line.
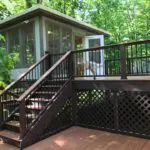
point(2, 85)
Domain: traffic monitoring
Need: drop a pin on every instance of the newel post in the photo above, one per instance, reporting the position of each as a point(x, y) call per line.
point(123, 61)
point(48, 61)
point(1, 111)
point(71, 65)
point(23, 119)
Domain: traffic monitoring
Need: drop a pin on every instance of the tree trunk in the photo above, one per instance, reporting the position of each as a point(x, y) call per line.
point(39, 1)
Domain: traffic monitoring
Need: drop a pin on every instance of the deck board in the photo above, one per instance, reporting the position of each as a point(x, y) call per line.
point(114, 78)
point(77, 138)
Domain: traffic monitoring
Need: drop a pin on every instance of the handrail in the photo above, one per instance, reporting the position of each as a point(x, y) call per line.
point(24, 95)
point(112, 46)
point(120, 55)
point(23, 75)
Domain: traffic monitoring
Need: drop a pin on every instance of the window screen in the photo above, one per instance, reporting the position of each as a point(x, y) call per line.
point(53, 37)
point(66, 40)
point(28, 44)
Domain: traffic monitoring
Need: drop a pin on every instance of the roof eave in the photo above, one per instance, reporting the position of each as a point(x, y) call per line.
point(40, 10)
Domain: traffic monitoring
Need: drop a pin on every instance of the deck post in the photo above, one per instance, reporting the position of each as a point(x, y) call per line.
point(71, 65)
point(48, 61)
point(115, 99)
point(23, 120)
point(1, 111)
point(74, 107)
point(123, 62)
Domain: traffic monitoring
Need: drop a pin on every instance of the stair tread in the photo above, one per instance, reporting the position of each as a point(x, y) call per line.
point(10, 134)
point(8, 101)
point(35, 107)
point(13, 123)
point(51, 85)
point(29, 115)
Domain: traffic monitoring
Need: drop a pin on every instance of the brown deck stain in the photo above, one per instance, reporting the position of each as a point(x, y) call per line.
point(77, 138)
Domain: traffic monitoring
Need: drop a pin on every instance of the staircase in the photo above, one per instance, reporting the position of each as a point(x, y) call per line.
point(29, 101)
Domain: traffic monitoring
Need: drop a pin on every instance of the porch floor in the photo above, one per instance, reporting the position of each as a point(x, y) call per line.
point(114, 78)
point(77, 138)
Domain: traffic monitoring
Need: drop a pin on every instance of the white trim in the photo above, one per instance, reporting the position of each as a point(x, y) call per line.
point(44, 33)
point(37, 39)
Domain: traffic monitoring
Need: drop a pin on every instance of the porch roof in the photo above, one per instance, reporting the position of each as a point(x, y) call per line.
point(42, 10)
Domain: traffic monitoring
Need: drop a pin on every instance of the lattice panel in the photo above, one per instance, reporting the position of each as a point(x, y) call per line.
point(122, 111)
point(62, 120)
point(95, 109)
point(134, 112)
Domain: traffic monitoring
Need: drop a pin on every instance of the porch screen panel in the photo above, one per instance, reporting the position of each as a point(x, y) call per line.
point(28, 44)
point(2, 40)
point(14, 45)
point(53, 37)
point(66, 40)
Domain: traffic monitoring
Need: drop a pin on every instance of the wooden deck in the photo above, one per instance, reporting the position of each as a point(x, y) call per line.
point(77, 138)
point(114, 78)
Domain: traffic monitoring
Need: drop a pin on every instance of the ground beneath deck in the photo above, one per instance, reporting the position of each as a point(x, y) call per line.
point(77, 138)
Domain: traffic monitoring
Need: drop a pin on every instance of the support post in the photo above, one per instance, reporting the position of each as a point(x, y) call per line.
point(115, 99)
point(1, 111)
point(123, 62)
point(74, 107)
point(71, 65)
point(48, 61)
point(23, 120)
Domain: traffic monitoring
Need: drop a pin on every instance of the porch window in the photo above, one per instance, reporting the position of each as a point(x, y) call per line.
point(28, 44)
point(66, 40)
point(58, 38)
point(53, 37)
point(22, 40)
point(2, 41)
point(13, 40)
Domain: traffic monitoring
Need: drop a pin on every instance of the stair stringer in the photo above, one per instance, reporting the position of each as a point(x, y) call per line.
point(43, 121)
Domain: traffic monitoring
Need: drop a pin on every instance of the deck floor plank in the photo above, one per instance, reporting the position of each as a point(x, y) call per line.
point(114, 78)
point(77, 138)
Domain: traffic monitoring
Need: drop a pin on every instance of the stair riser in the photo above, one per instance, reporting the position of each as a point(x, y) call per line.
point(16, 118)
point(54, 89)
point(10, 141)
point(47, 96)
point(39, 103)
point(12, 128)
point(34, 111)
point(49, 82)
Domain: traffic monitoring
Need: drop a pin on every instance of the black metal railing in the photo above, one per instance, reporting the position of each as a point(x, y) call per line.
point(138, 58)
point(55, 57)
point(123, 60)
point(8, 99)
point(57, 75)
